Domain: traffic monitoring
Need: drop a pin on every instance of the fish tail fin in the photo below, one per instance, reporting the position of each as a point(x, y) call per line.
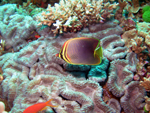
point(49, 104)
point(98, 51)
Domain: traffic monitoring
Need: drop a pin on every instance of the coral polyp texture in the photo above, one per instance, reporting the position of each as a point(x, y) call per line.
point(121, 73)
point(46, 79)
point(133, 99)
point(32, 72)
point(15, 28)
point(73, 15)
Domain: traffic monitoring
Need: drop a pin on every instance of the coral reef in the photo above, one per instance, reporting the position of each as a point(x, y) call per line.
point(47, 80)
point(43, 3)
point(143, 31)
point(120, 74)
point(120, 83)
point(129, 13)
point(133, 99)
point(133, 41)
point(28, 9)
point(2, 46)
point(147, 105)
point(51, 77)
point(145, 83)
point(73, 15)
point(11, 2)
point(15, 28)
point(115, 105)
point(34, 74)
point(137, 40)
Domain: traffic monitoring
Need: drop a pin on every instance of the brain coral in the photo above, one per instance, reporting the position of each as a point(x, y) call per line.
point(35, 74)
point(15, 28)
point(133, 100)
point(85, 95)
point(121, 73)
point(37, 65)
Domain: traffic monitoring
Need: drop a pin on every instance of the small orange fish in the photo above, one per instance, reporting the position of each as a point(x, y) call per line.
point(37, 36)
point(83, 50)
point(38, 107)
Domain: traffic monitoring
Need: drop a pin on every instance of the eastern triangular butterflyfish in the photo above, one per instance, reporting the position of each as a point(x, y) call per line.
point(82, 51)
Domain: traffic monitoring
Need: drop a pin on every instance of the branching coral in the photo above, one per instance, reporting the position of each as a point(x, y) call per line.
point(133, 41)
point(129, 13)
point(138, 42)
point(143, 31)
point(126, 23)
point(72, 15)
point(145, 83)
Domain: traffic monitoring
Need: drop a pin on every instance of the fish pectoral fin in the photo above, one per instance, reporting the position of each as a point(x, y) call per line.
point(44, 108)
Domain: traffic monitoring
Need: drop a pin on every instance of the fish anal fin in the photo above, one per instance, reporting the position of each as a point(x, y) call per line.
point(44, 108)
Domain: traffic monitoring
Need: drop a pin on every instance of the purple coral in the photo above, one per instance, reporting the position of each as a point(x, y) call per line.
point(119, 76)
point(133, 100)
point(15, 28)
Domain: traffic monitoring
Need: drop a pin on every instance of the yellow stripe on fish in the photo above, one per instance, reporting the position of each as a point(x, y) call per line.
point(82, 50)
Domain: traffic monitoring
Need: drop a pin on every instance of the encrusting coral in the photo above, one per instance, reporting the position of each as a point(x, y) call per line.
point(73, 15)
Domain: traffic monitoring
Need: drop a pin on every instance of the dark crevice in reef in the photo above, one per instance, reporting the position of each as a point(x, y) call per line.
point(54, 111)
point(63, 97)
point(79, 104)
point(37, 60)
point(107, 74)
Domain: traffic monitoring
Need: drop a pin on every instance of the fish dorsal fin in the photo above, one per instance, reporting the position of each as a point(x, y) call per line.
point(48, 103)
